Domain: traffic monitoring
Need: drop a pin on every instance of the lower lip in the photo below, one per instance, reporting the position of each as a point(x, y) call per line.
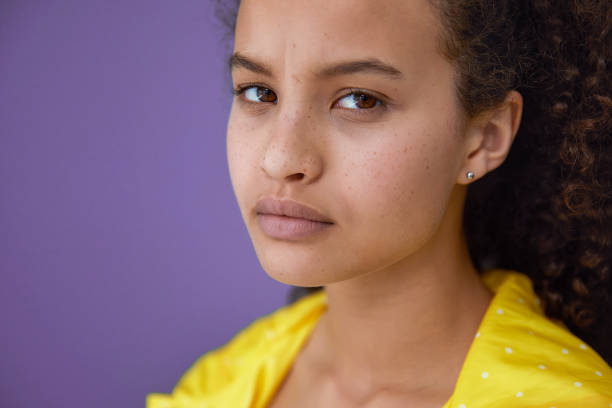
point(288, 228)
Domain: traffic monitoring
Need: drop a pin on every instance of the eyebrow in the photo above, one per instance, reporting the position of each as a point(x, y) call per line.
point(369, 65)
point(238, 60)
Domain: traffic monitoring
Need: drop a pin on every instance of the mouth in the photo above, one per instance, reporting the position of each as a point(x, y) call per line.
point(289, 220)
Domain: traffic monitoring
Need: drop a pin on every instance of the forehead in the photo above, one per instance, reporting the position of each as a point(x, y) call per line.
point(298, 34)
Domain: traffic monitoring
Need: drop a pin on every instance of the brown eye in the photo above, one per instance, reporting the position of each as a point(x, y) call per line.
point(359, 101)
point(266, 95)
point(364, 101)
point(257, 94)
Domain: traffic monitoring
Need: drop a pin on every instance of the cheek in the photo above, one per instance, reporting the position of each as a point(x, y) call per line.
point(399, 192)
point(396, 183)
point(241, 156)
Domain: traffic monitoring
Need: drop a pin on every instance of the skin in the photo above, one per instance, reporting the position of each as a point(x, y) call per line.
point(404, 300)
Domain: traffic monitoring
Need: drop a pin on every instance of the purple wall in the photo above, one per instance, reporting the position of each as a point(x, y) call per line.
point(123, 256)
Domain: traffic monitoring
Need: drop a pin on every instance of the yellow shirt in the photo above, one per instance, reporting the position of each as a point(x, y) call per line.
point(519, 358)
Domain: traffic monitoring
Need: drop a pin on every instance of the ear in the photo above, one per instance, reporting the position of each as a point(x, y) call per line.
point(489, 137)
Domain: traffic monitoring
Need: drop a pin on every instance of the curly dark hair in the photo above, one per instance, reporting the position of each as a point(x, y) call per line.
point(547, 210)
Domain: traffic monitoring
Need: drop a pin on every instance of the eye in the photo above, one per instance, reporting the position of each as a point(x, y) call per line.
point(257, 94)
point(359, 100)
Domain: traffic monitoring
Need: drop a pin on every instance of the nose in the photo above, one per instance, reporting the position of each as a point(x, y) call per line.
point(292, 154)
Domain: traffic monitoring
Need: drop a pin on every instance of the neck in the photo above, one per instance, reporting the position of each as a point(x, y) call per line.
point(412, 320)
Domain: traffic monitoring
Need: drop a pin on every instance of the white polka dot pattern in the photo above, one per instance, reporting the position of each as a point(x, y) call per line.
point(521, 356)
point(522, 384)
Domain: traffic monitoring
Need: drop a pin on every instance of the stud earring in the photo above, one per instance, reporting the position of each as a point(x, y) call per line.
point(469, 175)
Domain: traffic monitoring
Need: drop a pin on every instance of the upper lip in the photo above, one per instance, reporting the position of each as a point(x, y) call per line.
point(289, 208)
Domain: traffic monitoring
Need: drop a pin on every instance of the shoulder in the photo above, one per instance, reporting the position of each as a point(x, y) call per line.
point(525, 359)
point(262, 345)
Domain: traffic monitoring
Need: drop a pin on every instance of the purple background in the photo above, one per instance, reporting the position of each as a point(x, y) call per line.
point(123, 256)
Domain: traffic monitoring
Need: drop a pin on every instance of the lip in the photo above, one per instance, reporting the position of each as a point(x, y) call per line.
point(289, 220)
point(289, 208)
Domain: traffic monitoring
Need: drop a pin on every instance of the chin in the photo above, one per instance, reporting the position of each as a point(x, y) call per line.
point(293, 279)
point(296, 274)
point(298, 267)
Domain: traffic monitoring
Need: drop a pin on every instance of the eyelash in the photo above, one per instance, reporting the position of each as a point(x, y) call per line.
point(242, 89)
point(379, 103)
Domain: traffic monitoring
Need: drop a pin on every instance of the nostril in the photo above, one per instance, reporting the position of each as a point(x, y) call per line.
point(296, 176)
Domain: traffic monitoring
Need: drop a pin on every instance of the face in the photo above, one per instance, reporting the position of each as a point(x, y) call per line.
point(349, 108)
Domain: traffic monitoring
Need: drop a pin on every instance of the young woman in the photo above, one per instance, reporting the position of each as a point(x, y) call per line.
point(443, 170)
